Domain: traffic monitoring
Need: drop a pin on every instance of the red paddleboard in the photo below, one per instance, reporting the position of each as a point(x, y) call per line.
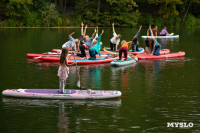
point(162, 56)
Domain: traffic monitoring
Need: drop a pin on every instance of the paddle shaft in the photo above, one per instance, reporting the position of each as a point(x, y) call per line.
point(77, 69)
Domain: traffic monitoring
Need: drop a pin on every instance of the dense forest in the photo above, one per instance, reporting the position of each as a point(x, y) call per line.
point(48, 13)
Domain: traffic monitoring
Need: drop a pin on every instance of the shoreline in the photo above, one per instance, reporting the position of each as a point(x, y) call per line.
point(66, 27)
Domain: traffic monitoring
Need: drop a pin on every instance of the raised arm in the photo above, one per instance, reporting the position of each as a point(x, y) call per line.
point(148, 31)
point(102, 32)
point(113, 26)
point(138, 32)
point(93, 34)
point(82, 34)
point(85, 29)
point(72, 34)
point(97, 29)
point(151, 33)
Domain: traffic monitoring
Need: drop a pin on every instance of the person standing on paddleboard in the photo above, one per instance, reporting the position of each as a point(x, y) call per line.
point(155, 31)
point(124, 49)
point(147, 41)
point(63, 70)
point(96, 48)
point(135, 42)
point(72, 43)
point(114, 41)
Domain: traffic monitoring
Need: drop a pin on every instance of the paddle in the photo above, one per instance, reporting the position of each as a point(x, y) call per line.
point(78, 82)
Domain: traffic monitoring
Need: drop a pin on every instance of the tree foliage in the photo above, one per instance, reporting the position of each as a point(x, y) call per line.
point(99, 12)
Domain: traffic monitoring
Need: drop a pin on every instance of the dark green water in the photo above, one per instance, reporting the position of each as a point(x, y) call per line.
point(154, 92)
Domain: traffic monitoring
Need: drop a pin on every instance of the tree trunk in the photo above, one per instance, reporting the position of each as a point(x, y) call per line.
point(65, 4)
point(98, 7)
point(189, 3)
point(60, 4)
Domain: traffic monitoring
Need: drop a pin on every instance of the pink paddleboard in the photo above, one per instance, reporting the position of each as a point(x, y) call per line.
point(55, 94)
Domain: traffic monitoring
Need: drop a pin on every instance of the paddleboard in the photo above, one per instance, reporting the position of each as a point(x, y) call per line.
point(141, 50)
point(55, 94)
point(172, 36)
point(162, 56)
point(129, 61)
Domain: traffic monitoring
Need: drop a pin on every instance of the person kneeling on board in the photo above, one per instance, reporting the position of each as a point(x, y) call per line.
point(72, 43)
point(155, 47)
point(63, 70)
point(124, 49)
point(87, 45)
point(96, 48)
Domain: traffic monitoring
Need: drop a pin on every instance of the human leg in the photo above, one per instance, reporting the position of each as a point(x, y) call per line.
point(62, 85)
point(156, 50)
point(82, 49)
point(111, 46)
point(125, 50)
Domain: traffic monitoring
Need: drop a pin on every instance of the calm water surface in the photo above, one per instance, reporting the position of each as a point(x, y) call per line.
point(154, 92)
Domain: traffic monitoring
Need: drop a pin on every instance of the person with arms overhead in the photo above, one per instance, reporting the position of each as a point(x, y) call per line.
point(96, 48)
point(114, 41)
point(135, 42)
point(72, 43)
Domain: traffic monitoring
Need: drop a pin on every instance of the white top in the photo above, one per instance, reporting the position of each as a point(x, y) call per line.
point(95, 38)
point(114, 40)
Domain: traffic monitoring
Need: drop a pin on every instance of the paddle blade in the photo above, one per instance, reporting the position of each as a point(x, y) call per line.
point(79, 83)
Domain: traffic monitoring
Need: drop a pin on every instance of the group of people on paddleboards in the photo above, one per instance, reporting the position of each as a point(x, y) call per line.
point(93, 45)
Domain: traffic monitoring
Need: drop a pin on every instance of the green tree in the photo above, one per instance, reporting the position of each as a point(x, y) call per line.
point(189, 2)
point(50, 16)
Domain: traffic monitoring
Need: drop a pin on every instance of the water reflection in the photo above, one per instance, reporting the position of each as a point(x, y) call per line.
point(67, 117)
point(153, 68)
point(123, 74)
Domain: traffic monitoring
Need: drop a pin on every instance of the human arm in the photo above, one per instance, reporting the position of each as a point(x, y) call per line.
point(113, 26)
point(99, 38)
point(93, 34)
point(67, 64)
point(72, 34)
point(102, 32)
point(138, 32)
point(97, 31)
point(82, 34)
point(148, 31)
point(85, 29)
point(151, 33)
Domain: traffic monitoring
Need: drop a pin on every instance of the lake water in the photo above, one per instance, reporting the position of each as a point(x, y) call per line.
point(153, 92)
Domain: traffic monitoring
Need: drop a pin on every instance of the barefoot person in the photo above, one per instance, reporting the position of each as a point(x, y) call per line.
point(135, 42)
point(114, 41)
point(96, 48)
point(63, 70)
point(155, 47)
point(124, 49)
point(155, 31)
point(147, 41)
point(72, 43)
